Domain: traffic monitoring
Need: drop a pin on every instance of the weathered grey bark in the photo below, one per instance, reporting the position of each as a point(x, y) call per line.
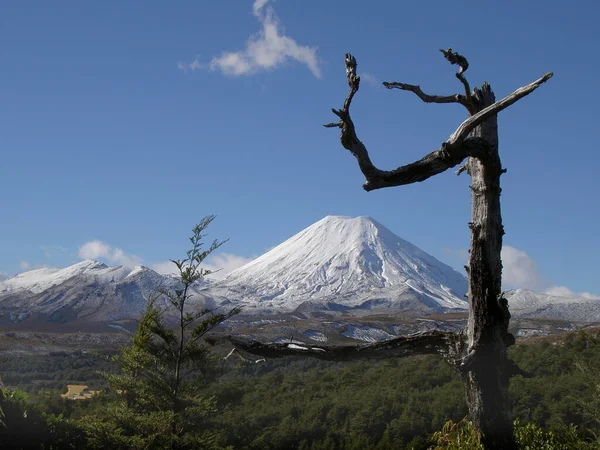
point(481, 357)
point(485, 369)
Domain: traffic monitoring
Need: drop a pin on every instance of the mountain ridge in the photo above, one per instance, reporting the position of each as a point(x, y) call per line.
point(337, 266)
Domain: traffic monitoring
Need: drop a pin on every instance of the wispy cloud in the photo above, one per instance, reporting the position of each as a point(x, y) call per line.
point(51, 251)
point(519, 270)
point(113, 255)
point(268, 49)
point(563, 291)
point(224, 263)
point(165, 267)
point(194, 65)
point(258, 5)
point(369, 78)
point(220, 264)
point(26, 265)
point(3, 276)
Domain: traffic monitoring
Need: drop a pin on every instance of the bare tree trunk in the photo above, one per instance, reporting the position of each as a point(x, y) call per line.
point(486, 368)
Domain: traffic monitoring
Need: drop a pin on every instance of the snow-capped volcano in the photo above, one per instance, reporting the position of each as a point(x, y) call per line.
point(337, 264)
point(348, 262)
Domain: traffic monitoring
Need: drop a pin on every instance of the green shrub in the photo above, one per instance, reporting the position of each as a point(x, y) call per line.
point(458, 436)
point(532, 437)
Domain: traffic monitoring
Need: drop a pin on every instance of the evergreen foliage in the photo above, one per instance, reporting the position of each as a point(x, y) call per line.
point(159, 402)
point(457, 436)
point(27, 426)
point(294, 402)
point(311, 404)
point(32, 372)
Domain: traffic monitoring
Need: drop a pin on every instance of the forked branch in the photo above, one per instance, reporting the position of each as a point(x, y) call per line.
point(452, 152)
point(467, 126)
point(465, 100)
point(456, 98)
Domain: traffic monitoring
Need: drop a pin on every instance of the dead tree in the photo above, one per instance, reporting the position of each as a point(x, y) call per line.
point(480, 353)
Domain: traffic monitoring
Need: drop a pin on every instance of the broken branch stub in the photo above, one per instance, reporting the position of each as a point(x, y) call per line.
point(455, 58)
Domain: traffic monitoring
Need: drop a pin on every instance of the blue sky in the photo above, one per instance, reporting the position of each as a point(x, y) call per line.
point(124, 123)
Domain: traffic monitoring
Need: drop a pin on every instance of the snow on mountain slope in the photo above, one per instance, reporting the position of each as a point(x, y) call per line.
point(88, 291)
point(366, 333)
point(39, 280)
point(525, 303)
point(355, 262)
point(337, 265)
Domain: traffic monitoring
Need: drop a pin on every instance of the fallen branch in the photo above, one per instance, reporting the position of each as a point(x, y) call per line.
point(426, 343)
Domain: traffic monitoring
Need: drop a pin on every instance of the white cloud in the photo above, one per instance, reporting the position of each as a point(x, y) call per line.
point(220, 264)
point(266, 50)
point(165, 267)
point(369, 78)
point(258, 5)
point(519, 270)
point(563, 291)
point(194, 65)
point(26, 265)
point(225, 263)
point(101, 250)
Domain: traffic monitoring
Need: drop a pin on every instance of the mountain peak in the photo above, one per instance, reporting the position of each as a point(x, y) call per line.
point(38, 280)
point(350, 259)
point(347, 219)
point(88, 264)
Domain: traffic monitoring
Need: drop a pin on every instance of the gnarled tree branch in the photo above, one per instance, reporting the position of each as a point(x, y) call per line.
point(467, 126)
point(452, 152)
point(456, 98)
point(455, 58)
point(426, 343)
point(465, 100)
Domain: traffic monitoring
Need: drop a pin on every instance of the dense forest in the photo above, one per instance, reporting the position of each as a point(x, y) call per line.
point(311, 404)
point(54, 370)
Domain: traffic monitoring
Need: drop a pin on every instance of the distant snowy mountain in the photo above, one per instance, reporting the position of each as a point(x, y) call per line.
point(342, 262)
point(339, 264)
point(336, 264)
point(88, 291)
point(525, 303)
